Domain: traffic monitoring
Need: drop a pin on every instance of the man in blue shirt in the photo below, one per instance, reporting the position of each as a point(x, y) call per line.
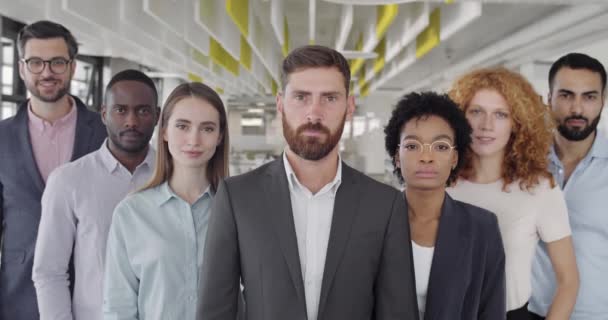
point(579, 162)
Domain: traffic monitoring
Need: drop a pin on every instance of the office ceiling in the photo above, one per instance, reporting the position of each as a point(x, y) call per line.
point(237, 46)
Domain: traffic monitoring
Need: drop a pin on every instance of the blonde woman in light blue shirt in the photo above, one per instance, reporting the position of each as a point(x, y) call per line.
point(156, 240)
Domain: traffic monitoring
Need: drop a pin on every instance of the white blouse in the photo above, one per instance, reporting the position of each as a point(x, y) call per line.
point(524, 217)
point(423, 258)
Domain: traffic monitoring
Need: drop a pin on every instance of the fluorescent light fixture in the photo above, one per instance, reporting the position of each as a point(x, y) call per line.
point(255, 110)
point(166, 75)
point(260, 104)
point(252, 122)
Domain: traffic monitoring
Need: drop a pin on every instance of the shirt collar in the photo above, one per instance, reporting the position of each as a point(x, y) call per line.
point(600, 145)
point(40, 124)
point(599, 149)
point(112, 164)
point(295, 183)
point(166, 193)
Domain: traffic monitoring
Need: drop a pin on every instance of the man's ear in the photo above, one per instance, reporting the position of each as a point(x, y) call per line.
point(22, 70)
point(157, 110)
point(279, 102)
point(73, 68)
point(350, 107)
point(104, 113)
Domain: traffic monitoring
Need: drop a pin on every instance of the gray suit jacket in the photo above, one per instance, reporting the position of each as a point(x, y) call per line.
point(21, 189)
point(368, 271)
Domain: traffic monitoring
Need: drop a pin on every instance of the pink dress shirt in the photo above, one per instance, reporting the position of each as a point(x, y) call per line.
point(52, 143)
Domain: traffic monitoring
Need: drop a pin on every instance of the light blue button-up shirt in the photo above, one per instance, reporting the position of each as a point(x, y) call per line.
point(586, 195)
point(154, 256)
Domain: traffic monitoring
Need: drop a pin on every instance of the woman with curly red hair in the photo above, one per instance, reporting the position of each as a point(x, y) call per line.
point(506, 172)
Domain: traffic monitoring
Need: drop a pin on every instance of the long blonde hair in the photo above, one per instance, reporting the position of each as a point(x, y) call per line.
point(217, 167)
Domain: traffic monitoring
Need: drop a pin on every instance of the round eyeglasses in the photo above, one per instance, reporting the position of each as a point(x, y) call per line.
point(56, 65)
point(442, 148)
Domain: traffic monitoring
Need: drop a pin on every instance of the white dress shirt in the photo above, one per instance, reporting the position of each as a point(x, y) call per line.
point(77, 207)
point(312, 216)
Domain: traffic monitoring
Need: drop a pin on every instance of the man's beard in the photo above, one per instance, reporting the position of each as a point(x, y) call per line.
point(50, 99)
point(311, 148)
point(136, 148)
point(576, 134)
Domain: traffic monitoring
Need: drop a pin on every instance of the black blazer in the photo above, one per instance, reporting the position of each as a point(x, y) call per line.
point(467, 279)
point(368, 272)
point(21, 188)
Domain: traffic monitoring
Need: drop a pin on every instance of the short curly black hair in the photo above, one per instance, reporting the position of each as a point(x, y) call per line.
point(422, 105)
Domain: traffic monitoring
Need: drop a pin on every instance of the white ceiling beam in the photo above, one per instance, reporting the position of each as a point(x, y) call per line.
point(312, 17)
point(346, 23)
point(457, 16)
point(277, 16)
point(408, 24)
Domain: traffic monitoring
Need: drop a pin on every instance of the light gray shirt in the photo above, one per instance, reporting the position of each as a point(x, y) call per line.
point(77, 207)
point(312, 216)
point(155, 256)
point(585, 192)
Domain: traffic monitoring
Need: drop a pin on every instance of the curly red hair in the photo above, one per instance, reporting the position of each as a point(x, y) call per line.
point(526, 158)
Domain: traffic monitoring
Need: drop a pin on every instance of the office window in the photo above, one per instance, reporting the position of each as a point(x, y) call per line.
point(8, 63)
point(13, 89)
point(86, 83)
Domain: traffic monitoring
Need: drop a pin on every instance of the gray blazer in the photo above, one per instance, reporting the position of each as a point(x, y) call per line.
point(368, 271)
point(21, 188)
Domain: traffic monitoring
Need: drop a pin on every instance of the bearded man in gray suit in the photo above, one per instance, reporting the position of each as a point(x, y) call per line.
point(306, 235)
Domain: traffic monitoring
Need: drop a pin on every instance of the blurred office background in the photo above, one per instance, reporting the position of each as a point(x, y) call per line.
point(236, 47)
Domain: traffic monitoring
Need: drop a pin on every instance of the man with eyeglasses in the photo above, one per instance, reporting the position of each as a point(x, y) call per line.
point(49, 129)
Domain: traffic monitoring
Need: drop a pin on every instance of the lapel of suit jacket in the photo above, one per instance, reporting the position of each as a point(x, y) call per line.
point(281, 215)
point(84, 132)
point(450, 249)
point(24, 145)
point(345, 211)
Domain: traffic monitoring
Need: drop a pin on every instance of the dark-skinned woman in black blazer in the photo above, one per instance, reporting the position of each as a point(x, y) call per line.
point(459, 258)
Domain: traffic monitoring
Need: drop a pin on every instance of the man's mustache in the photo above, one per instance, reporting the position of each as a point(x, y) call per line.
point(578, 117)
point(313, 127)
point(129, 131)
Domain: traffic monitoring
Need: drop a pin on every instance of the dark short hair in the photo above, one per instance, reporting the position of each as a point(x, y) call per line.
point(422, 105)
point(314, 56)
point(132, 75)
point(577, 61)
point(46, 30)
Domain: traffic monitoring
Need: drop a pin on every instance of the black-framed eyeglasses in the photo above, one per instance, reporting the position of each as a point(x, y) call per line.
point(56, 65)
